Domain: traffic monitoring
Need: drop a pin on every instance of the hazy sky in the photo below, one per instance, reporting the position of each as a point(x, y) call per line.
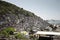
point(46, 9)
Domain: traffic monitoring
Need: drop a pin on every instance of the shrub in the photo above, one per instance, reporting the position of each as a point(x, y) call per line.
point(8, 31)
point(20, 36)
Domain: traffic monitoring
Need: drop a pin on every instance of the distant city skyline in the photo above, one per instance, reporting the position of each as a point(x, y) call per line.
point(46, 9)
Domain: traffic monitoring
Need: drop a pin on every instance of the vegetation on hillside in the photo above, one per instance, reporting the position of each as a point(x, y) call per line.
point(6, 33)
point(6, 7)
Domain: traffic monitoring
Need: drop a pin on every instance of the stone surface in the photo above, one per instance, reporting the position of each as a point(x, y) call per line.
point(11, 15)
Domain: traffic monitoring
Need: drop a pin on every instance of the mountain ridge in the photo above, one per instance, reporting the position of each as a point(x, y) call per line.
point(57, 22)
point(11, 15)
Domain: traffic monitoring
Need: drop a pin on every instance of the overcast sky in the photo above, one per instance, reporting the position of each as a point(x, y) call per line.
point(46, 9)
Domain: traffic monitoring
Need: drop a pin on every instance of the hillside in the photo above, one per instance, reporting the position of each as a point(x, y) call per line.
point(19, 18)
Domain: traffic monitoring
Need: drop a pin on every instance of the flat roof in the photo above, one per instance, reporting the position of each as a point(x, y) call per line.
point(48, 33)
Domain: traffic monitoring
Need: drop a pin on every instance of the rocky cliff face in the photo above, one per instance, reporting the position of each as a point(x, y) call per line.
point(11, 15)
